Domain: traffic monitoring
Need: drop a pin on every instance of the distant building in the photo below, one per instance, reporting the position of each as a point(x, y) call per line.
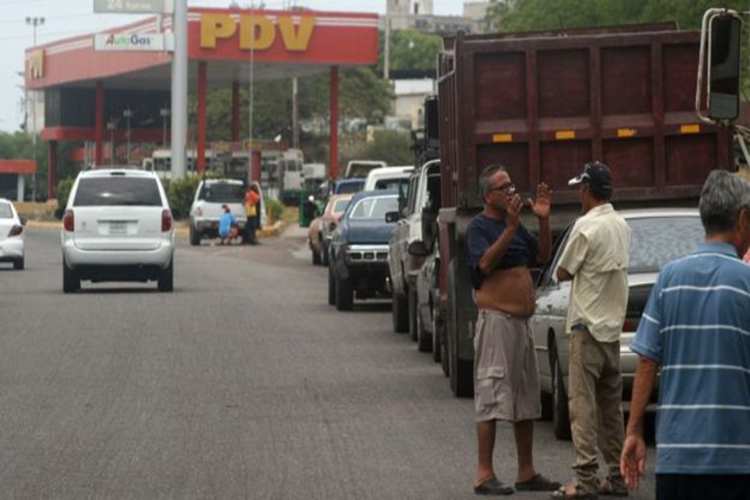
point(477, 13)
point(409, 96)
point(419, 15)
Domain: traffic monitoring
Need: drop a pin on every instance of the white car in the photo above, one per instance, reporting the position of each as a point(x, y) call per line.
point(206, 208)
point(118, 226)
point(11, 235)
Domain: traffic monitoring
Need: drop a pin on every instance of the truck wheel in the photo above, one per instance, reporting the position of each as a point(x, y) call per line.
point(71, 280)
point(19, 264)
point(195, 237)
point(412, 303)
point(166, 278)
point(461, 371)
point(331, 287)
point(315, 257)
point(344, 295)
point(560, 417)
point(424, 338)
point(399, 313)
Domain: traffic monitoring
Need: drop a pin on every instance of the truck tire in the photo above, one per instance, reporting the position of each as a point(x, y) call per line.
point(71, 280)
point(19, 264)
point(344, 295)
point(424, 338)
point(400, 313)
point(560, 417)
point(166, 278)
point(331, 287)
point(461, 372)
point(412, 303)
point(195, 237)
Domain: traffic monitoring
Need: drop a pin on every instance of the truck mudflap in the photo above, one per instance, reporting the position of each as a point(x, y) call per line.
point(461, 317)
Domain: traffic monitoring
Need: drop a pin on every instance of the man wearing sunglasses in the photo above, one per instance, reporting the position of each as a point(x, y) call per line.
point(595, 258)
point(506, 381)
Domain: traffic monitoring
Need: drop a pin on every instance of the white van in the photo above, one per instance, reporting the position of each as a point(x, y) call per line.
point(389, 178)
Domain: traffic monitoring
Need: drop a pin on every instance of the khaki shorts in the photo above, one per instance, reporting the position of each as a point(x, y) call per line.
point(506, 378)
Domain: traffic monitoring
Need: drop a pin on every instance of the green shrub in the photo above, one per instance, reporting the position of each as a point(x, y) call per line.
point(274, 210)
point(181, 193)
point(63, 193)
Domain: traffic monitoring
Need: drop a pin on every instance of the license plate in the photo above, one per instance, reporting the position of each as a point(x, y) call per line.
point(118, 228)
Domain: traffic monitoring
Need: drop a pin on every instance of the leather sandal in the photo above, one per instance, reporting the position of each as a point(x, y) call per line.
point(491, 486)
point(561, 494)
point(538, 483)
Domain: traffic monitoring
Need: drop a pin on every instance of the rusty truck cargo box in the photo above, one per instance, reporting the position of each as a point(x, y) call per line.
point(545, 104)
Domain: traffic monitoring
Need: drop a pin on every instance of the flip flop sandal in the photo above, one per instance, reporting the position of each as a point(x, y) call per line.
point(613, 488)
point(538, 483)
point(492, 486)
point(561, 494)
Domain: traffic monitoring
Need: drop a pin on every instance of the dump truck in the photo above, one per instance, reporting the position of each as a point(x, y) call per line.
point(543, 104)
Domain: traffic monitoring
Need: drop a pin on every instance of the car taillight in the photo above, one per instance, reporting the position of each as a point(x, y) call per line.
point(166, 221)
point(630, 325)
point(15, 230)
point(69, 221)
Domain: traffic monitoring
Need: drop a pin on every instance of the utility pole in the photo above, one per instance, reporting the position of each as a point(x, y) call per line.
point(34, 22)
point(387, 51)
point(179, 89)
point(251, 90)
point(295, 113)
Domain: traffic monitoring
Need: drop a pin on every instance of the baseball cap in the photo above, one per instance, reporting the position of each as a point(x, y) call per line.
point(597, 175)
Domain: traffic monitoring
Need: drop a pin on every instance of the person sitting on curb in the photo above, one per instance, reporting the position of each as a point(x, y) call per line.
point(226, 221)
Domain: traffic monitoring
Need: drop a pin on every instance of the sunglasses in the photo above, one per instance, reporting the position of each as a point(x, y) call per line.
point(507, 188)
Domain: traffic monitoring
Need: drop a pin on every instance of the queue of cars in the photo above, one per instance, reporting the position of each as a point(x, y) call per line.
point(385, 244)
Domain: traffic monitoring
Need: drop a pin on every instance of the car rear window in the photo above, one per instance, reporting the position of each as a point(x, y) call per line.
point(340, 206)
point(5, 211)
point(222, 193)
point(374, 208)
point(656, 241)
point(117, 191)
point(350, 187)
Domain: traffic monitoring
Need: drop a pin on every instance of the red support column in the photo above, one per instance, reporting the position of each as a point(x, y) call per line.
point(51, 170)
point(333, 167)
point(236, 112)
point(200, 161)
point(255, 165)
point(99, 126)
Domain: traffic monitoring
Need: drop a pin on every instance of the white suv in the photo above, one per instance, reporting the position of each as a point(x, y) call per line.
point(11, 235)
point(117, 227)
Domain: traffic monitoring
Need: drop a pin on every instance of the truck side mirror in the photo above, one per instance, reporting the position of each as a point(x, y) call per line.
point(392, 217)
point(720, 56)
point(724, 68)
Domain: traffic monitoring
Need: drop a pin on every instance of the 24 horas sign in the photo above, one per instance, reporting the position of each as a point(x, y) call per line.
point(257, 32)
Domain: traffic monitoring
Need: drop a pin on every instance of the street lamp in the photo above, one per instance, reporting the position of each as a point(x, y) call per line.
point(111, 128)
point(164, 113)
point(34, 22)
point(128, 114)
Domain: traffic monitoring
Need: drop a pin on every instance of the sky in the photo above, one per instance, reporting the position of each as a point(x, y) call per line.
point(66, 18)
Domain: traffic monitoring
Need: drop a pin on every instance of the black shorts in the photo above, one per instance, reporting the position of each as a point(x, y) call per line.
point(691, 487)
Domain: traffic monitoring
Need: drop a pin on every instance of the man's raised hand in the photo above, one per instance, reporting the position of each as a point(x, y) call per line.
point(541, 206)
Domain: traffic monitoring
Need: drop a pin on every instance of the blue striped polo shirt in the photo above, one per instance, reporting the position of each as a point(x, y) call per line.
point(696, 325)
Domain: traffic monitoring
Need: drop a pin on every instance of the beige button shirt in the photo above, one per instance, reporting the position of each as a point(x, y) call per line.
point(596, 254)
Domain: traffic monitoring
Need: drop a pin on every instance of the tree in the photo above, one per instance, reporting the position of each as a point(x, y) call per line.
point(411, 50)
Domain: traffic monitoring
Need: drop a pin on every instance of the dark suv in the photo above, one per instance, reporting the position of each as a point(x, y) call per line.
point(358, 252)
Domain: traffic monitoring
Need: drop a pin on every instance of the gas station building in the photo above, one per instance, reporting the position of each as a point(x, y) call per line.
point(87, 89)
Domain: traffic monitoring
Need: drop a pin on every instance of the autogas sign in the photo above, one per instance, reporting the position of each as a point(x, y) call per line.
point(152, 42)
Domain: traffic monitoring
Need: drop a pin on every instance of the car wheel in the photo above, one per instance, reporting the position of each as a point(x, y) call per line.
point(71, 280)
point(315, 257)
point(323, 254)
point(436, 343)
point(331, 287)
point(400, 313)
point(19, 264)
point(344, 295)
point(166, 278)
point(195, 237)
point(424, 338)
point(412, 299)
point(560, 416)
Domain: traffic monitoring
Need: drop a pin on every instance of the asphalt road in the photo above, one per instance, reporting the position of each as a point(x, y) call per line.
point(243, 383)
